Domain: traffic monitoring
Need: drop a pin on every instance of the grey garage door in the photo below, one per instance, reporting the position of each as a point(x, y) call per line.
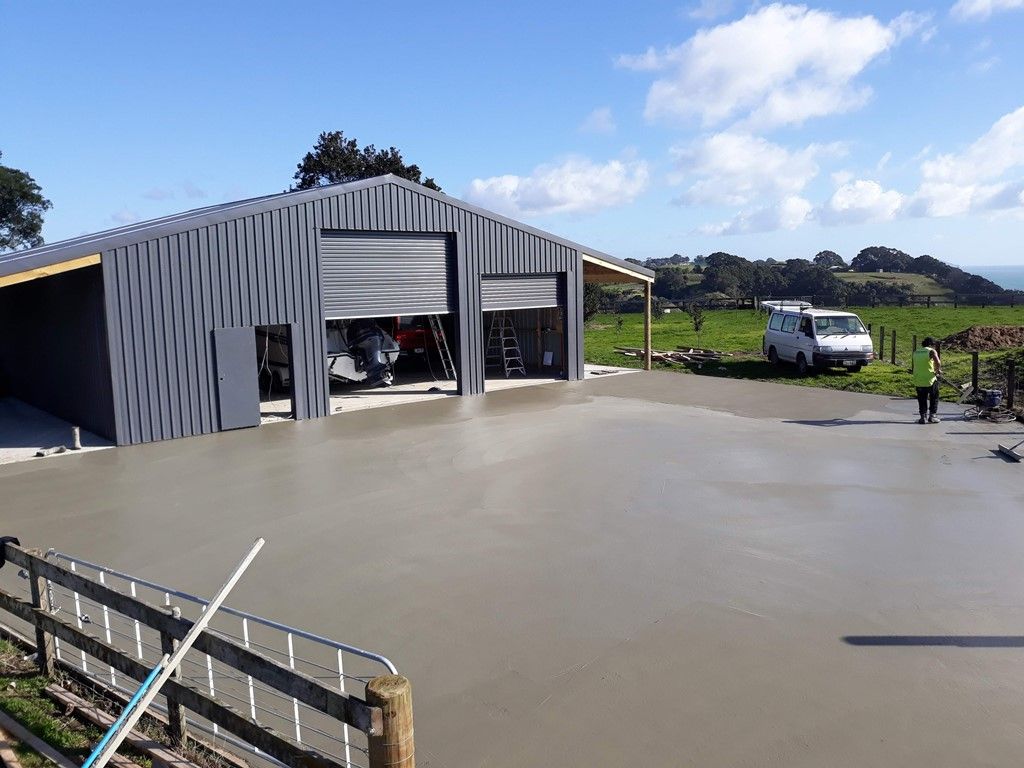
point(376, 274)
point(520, 292)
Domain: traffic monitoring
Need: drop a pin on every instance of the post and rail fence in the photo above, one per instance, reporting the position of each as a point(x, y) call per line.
point(935, 300)
point(254, 686)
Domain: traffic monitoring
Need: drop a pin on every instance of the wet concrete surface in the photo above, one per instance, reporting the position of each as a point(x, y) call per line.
point(651, 569)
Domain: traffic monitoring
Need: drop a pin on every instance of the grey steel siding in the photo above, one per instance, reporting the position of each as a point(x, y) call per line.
point(521, 292)
point(372, 274)
point(166, 295)
point(53, 348)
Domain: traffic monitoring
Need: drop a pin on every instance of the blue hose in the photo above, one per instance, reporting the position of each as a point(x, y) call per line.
point(124, 715)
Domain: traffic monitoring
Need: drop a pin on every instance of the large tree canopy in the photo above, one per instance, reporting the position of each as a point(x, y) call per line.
point(336, 159)
point(21, 209)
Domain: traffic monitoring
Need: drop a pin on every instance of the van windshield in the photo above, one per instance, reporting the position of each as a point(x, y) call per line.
point(838, 326)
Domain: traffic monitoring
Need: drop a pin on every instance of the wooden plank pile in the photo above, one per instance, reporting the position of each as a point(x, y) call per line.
point(685, 355)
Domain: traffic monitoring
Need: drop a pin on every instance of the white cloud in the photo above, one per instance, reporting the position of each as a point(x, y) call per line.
point(984, 65)
point(979, 10)
point(577, 185)
point(859, 202)
point(124, 216)
point(738, 168)
point(158, 193)
point(789, 213)
point(975, 180)
point(910, 23)
point(883, 161)
point(778, 65)
point(599, 121)
point(706, 10)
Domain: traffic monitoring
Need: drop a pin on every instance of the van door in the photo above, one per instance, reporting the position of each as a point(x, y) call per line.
point(804, 339)
point(787, 339)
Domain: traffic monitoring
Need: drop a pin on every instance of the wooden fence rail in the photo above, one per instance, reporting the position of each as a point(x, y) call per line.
point(343, 707)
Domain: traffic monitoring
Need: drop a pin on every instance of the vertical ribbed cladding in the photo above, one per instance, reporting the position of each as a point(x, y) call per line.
point(165, 296)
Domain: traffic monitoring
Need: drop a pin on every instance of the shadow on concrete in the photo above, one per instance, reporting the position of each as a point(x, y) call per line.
point(848, 422)
point(951, 641)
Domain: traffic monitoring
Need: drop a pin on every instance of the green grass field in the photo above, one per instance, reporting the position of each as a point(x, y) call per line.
point(740, 332)
point(923, 285)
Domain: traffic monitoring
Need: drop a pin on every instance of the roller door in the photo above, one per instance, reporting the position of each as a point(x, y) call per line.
point(521, 292)
point(376, 274)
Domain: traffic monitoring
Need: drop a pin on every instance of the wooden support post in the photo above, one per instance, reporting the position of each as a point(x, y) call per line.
point(929, 301)
point(881, 342)
point(647, 326)
point(1011, 383)
point(956, 302)
point(892, 350)
point(45, 649)
point(974, 371)
point(176, 722)
point(395, 746)
point(913, 345)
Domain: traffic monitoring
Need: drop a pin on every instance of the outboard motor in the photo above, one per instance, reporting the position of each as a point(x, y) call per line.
point(366, 337)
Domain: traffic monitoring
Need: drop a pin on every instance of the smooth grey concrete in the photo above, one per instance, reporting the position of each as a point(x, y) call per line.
point(25, 430)
point(652, 570)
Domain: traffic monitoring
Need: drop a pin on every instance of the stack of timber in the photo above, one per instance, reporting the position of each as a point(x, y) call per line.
point(678, 355)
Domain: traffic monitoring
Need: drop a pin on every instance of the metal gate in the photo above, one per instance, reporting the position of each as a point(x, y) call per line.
point(521, 292)
point(374, 275)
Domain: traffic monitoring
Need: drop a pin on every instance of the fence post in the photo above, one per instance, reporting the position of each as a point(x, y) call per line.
point(974, 371)
point(881, 342)
point(913, 346)
point(892, 351)
point(1011, 382)
point(395, 745)
point(175, 711)
point(41, 602)
point(956, 301)
point(929, 297)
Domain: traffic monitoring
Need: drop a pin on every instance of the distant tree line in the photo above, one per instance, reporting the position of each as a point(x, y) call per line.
point(680, 279)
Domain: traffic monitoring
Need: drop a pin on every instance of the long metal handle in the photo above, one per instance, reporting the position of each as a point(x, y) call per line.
point(124, 724)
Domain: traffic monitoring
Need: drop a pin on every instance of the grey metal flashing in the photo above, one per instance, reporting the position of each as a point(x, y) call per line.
point(65, 250)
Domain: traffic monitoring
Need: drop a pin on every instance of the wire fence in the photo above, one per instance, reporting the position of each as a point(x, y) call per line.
point(335, 664)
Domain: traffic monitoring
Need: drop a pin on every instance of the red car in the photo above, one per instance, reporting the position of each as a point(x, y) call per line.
point(412, 332)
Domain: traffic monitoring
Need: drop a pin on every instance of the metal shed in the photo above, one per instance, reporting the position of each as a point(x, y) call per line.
point(124, 327)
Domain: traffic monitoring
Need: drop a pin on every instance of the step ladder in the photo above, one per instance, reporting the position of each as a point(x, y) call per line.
point(441, 341)
point(503, 346)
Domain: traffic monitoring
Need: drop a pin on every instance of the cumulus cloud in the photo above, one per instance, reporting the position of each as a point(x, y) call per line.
point(789, 213)
point(577, 185)
point(599, 121)
point(734, 168)
point(778, 65)
point(860, 202)
point(979, 10)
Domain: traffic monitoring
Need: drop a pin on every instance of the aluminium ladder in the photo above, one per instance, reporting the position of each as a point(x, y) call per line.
point(442, 346)
point(503, 346)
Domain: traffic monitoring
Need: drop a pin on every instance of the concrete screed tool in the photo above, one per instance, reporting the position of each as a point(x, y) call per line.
point(1011, 452)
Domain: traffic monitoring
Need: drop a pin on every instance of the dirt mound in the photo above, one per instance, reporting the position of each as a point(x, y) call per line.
point(985, 337)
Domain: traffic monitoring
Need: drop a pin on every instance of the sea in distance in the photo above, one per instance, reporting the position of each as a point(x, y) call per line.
point(1008, 277)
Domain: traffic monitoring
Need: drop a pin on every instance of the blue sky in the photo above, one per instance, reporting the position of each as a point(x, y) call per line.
point(642, 129)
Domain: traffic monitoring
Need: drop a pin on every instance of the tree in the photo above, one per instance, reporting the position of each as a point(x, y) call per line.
point(21, 210)
point(670, 282)
point(878, 257)
point(829, 259)
point(696, 317)
point(593, 298)
point(336, 159)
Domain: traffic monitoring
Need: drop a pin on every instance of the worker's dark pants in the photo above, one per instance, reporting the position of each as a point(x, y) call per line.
point(928, 399)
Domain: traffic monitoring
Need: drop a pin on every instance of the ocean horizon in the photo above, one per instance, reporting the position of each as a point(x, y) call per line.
point(1005, 276)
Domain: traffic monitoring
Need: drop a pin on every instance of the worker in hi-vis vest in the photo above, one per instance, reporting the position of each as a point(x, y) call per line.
point(926, 371)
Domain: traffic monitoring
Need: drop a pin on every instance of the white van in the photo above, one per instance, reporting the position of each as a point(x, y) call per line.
point(819, 338)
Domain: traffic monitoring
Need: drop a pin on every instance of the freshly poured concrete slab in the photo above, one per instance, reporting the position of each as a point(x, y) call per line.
point(654, 569)
point(25, 430)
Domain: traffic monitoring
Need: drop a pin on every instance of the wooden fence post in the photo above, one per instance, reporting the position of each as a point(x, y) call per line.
point(881, 342)
point(974, 371)
point(1011, 382)
point(913, 346)
point(892, 351)
point(45, 649)
point(395, 745)
point(929, 297)
point(175, 711)
point(647, 326)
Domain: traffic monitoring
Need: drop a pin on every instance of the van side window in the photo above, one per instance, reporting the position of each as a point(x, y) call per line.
point(805, 326)
point(776, 322)
point(789, 324)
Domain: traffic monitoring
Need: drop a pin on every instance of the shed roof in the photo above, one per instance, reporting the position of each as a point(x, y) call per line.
point(86, 245)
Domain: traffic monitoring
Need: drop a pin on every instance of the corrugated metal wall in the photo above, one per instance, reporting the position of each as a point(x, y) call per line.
point(166, 295)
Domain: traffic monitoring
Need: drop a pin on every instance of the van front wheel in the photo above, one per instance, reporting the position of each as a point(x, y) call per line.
point(773, 356)
point(801, 364)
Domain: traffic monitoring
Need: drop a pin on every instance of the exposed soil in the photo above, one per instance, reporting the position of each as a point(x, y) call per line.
point(986, 337)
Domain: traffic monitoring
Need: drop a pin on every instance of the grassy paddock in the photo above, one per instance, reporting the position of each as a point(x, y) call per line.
point(740, 332)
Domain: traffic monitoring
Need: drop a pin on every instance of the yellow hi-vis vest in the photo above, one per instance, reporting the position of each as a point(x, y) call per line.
point(924, 367)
